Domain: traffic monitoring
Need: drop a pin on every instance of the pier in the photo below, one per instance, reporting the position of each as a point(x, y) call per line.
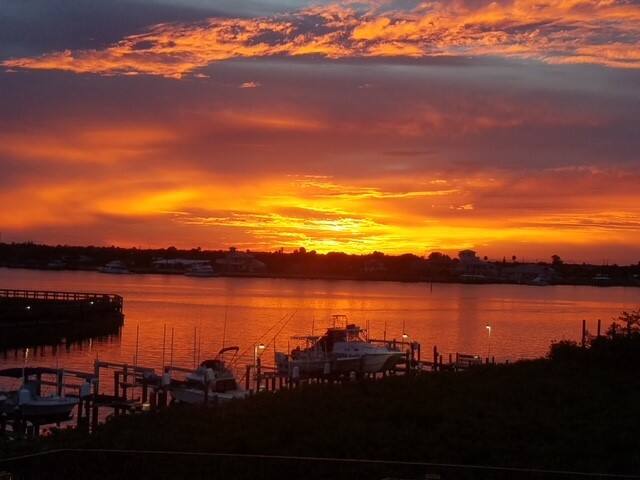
point(37, 317)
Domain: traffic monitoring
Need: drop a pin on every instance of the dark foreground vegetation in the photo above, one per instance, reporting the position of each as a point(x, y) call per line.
point(301, 263)
point(574, 411)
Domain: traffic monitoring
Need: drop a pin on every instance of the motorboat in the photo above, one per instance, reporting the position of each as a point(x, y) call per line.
point(115, 267)
point(201, 270)
point(28, 403)
point(213, 381)
point(340, 350)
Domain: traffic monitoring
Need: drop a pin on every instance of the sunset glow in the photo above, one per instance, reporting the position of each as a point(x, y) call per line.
point(508, 127)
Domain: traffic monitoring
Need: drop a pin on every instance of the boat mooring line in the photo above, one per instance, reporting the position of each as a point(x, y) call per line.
point(318, 459)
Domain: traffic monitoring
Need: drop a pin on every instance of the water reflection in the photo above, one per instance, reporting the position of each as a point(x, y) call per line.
point(524, 319)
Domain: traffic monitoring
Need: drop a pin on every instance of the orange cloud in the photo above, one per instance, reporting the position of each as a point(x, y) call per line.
point(604, 32)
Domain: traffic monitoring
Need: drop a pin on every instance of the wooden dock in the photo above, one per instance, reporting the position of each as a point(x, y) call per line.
point(40, 317)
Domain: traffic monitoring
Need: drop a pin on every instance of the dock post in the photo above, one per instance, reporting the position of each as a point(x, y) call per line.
point(407, 360)
point(162, 398)
point(584, 333)
point(94, 403)
point(80, 406)
point(153, 399)
point(599, 325)
point(435, 358)
point(259, 375)
point(145, 391)
point(125, 379)
point(116, 390)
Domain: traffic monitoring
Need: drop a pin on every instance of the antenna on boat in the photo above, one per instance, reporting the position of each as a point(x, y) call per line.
point(199, 346)
point(164, 342)
point(224, 328)
point(384, 332)
point(135, 357)
point(195, 333)
point(171, 360)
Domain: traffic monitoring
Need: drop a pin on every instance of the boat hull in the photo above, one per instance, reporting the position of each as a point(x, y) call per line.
point(194, 396)
point(380, 362)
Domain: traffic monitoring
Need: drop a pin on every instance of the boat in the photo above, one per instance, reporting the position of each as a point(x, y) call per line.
point(540, 281)
point(28, 403)
point(213, 381)
point(116, 267)
point(602, 280)
point(201, 270)
point(340, 350)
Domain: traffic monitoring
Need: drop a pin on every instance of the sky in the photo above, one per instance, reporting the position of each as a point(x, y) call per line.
point(402, 126)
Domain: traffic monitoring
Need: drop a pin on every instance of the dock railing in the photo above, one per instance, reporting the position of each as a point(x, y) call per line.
point(49, 295)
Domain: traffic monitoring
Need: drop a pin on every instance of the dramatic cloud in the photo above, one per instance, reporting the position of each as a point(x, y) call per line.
point(354, 127)
point(604, 32)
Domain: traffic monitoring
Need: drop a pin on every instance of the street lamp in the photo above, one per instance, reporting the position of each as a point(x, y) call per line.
point(256, 349)
point(488, 327)
point(256, 363)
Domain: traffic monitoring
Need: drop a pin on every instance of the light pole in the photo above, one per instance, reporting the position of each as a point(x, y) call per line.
point(488, 327)
point(256, 362)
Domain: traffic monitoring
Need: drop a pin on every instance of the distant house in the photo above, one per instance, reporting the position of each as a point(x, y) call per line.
point(240, 262)
point(471, 267)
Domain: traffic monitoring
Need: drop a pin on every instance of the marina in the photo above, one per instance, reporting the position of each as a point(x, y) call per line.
point(164, 353)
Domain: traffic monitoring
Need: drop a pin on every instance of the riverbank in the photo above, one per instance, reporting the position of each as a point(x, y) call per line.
point(303, 264)
point(574, 412)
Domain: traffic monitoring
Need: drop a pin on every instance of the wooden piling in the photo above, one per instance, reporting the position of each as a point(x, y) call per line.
point(435, 357)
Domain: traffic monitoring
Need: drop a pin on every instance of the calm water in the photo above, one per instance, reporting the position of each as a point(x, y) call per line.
point(524, 319)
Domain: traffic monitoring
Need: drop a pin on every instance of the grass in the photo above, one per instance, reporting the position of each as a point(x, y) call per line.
point(573, 413)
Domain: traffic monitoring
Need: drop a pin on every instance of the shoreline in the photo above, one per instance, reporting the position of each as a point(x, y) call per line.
point(293, 276)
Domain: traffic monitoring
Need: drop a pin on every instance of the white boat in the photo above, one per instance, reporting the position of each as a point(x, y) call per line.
point(201, 270)
point(116, 267)
point(212, 377)
point(339, 350)
point(29, 405)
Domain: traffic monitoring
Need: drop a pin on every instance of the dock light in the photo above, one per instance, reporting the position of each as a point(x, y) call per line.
point(488, 327)
point(28, 307)
point(91, 302)
point(405, 336)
